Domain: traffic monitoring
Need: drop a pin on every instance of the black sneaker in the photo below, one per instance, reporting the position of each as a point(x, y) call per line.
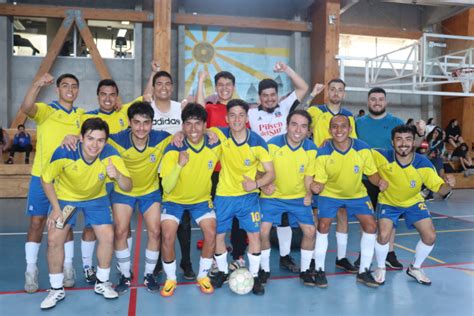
point(392, 262)
point(123, 286)
point(158, 268)
point(263, 276)
point(188, 272)
point(345, 265)
point(357, 263)
point(150, 283)
point(307, 278)
point(90, 274)
point(218, 279)
point(367, 279)
point(320, 279)
point(289, 264)
point(258, 288)
point(429, 197)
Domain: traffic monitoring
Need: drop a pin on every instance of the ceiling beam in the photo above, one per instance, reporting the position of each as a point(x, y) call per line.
point(379, 31)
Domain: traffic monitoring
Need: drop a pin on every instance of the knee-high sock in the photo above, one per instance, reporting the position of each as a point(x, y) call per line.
point(87, 252)
point(367, 246)
point(31, 255)
point(284, 239)
point(320, 250)
point(421, 252)
point(381, 252)
point(341, 239)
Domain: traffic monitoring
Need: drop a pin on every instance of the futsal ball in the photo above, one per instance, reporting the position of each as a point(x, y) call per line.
point(241, 281)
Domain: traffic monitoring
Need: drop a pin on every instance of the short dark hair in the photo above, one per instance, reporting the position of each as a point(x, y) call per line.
point(95, 124)
point(140, 108)
point(224, 74)
point(194, 111)
point(237, 102)
point(20, 125)
point(403, 129)
point(64, 76)
point(340, 115)
point(161, 73)
point(267, 84)
point(299, 112)
point(337, 80)
point(107, 83)
point(376, 90)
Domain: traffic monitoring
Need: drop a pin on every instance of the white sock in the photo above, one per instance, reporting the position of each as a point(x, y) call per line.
point(204, 267)
point(367, 246)
point(123, 259)
point(87, 251)
point(56, 280)
point(103, 274)
point(284, 240)
point(306, 256)
point(421, 252)
point(320, 250)
point(221, 261)
point(151, 258)
point(170, 270)
point(381, 252)
point(265, 260)
point(341, 239)
point(130, 243)
point(31, 255)
point(254, 263)
point(68, 253)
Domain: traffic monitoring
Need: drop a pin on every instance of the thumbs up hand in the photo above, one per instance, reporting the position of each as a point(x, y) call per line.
point(112, 172)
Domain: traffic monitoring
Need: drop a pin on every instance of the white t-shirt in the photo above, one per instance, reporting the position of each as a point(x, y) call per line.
point(269, 125)
point(167, 121)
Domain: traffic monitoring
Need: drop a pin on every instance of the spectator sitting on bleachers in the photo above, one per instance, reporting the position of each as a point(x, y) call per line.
point(21, 143)
point(453, 133)
point(4, 140)
point(430, 125)
point(461, 154)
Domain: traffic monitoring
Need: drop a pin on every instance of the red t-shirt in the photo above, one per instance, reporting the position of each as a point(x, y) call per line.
point(216, 115)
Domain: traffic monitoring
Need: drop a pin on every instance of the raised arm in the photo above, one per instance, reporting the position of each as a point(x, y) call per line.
point(200, 88)
point(155, 67)
point(306, 103)
point(28, 106)
point(301, 87)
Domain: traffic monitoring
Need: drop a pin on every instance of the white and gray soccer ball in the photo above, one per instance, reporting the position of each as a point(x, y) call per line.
point(241, 281)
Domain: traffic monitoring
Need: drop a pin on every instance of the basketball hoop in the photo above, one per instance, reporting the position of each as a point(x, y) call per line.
point(466, 77)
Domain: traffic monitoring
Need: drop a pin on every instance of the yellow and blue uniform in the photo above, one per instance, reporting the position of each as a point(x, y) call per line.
point(341, 173)
point(82, 184)
point(143, 167)
point(117, 120)
point(238, 160)
point(403, 196)
point(291, 166)
point(192, 190)
point(321, 116)
point(53, 123)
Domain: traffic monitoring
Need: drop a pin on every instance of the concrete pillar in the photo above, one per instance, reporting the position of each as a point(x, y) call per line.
point(137, 67)
point(181, 80)
point(5, 57)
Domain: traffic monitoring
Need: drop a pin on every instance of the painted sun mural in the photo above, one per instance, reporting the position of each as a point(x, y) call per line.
point(216, 49)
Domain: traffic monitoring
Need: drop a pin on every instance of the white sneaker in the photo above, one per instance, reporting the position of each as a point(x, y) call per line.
point(105, 289)
point(418, 274)
point(379, 275)
point(236, 264)
point(54, 296)
point(69, 277)
point(31, 281)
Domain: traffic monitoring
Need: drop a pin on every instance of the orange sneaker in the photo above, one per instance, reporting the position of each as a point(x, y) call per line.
point(168, 288)
point(205, 285)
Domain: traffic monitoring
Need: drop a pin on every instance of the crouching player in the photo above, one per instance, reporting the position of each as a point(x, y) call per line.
point(293, 159)
point(186, 172)
point(406, 171)
point(77, 178)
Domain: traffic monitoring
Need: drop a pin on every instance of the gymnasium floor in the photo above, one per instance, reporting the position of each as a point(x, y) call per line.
point(450, 267)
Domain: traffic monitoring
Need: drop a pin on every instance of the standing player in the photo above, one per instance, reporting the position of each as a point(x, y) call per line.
point(53, 122)
point(79, 180)
point(269, 120)
point(237, 190)
point(142, 149)
point(293, 159)
point(186, 172)
point(321, 116)
point(339, 167)
point(406, 172)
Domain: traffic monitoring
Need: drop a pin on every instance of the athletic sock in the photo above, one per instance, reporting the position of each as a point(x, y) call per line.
point(204, 267)
point(306, 256)
point(68, 253)
point(284, 240)
point(254, 263)
point(422, 251)
point(151, 258)
point(367, 246)
point(320, 250)
point(123, 259)
point(221, 261)
point(87, 251)
point(265, 260)
point(31, 256)
point(170, 270)
point(341, 240)
point(381, 252)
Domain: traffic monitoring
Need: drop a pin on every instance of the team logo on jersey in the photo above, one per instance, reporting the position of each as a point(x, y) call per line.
point(152, 157)
point(259, 118)
point(101, 176)
point(121, 122)
point(247, 162)
point(301, 168)
point(356, 169)
point(74, 168)
point(210, 165)
point(278, 114)
point(412, 184)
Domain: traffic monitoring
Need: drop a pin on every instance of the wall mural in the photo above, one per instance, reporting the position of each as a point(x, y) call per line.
point(249, 59)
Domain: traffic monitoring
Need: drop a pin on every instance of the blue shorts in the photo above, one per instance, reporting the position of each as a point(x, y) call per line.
point(37, 203)
point(314, 203)
point(245, 208)
point(96, 212)
point(144, 201)
point(328, 206)
point(272, 209)
point(199, 211)
point(412, 214)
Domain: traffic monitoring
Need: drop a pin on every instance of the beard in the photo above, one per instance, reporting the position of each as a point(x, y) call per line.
point(377, 113)
point(404, 152)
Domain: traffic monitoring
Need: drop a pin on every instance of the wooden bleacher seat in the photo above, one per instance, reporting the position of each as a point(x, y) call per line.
point(14, 180)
